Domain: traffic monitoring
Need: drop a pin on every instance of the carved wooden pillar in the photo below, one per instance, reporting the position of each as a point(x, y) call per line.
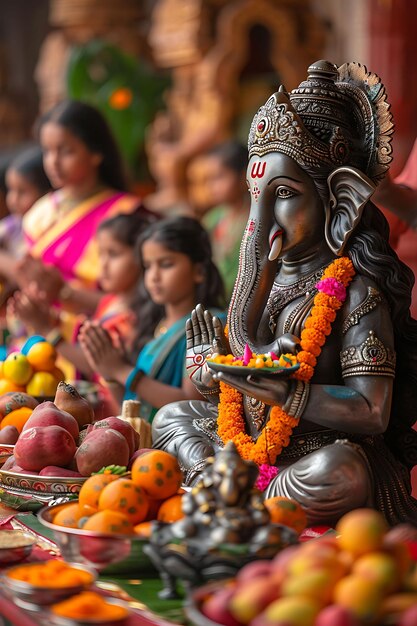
point(225, 58)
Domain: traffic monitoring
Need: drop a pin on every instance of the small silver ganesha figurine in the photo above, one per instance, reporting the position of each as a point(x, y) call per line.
point(225, 526)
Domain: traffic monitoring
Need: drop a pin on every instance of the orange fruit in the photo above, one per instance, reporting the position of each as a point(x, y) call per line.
point(68, 515)
point(171, 509)
point(91, 489)
point(124, 496)
point(153, 508)
point(17, 418)
point(361, 531)
point(42, 356)
point(7, 385)
point(158, 473)
point(109, 522)
point(17, 368)
point(144, 529)
point(286, 511)
point(42, 384)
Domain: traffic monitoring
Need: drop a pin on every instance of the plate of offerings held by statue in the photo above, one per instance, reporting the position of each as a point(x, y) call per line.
point(252, 364)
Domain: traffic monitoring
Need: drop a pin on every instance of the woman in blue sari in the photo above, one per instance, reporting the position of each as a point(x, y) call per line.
point(178, 273)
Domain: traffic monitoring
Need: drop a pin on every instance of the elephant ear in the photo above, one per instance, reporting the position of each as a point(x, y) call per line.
point(349, 190)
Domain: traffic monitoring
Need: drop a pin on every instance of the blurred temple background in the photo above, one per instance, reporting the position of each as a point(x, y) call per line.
point(175, 77)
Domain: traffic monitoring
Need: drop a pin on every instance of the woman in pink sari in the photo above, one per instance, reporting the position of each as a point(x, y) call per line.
point(83, 164)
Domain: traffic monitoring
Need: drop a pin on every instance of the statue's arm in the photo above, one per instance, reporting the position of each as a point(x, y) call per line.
point(362, 402)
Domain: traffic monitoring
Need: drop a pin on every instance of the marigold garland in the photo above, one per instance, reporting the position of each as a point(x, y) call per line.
point(276, 434)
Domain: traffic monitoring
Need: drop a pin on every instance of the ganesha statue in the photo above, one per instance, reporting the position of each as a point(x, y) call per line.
point(319, 281)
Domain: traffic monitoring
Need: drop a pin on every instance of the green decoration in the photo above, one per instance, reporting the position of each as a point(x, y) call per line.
point(123, 88)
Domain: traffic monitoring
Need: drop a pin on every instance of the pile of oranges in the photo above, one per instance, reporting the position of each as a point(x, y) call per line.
point(110, 503)
point(32, 370)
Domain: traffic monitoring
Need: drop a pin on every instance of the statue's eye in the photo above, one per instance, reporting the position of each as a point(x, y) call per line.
point(284, 192)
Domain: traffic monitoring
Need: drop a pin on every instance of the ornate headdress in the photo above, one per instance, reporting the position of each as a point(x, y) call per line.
point(338, 116)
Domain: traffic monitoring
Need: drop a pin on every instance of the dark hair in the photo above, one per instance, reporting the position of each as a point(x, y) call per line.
point(373, 256)
point(29, 164)
point(88, 124)
point(185, 235)
point(233, 155)
point(126, 227)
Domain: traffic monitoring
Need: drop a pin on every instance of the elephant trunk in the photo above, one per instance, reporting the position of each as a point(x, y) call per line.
point(253, 284)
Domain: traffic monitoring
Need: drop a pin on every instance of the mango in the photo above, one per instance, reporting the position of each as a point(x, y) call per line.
point(361, 531)
point(316, 584)
point(251, 596)
point(216, 607)
point(296, 611)
point(334, 615)
point(361, 596)
point(379, 567)
point(409, 617)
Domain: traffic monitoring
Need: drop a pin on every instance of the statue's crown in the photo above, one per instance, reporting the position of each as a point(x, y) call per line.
point(338, 116)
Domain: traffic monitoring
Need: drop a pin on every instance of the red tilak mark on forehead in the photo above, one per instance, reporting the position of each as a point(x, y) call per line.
point(258, 169)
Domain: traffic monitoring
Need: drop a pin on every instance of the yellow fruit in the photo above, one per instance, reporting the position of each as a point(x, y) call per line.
point(17, 368)
point(359, 595)
point(361, 531)
point(1, 369)
point(42, 356)
point(42, 384)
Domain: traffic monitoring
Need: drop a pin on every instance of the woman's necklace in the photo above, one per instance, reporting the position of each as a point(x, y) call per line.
point(161, 328)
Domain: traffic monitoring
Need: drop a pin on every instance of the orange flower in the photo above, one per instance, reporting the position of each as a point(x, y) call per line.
point(307, 357)
point(277, 432)
point(319, 324)
point(312, 334)
point(121, 98)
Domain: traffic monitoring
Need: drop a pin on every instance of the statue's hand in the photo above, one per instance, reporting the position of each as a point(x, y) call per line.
point(205, 336)
point(271, 390)
point(286, 343)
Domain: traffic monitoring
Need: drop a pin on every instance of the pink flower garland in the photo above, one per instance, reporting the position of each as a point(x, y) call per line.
point(266, 474)
point(332, 287)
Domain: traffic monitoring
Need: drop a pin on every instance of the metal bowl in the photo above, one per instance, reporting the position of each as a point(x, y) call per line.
point(107, 553)
point(15, 546)
point(194, 601)
point(6, 451)
point(36, 491)
point(58, 620)
point(43, 595)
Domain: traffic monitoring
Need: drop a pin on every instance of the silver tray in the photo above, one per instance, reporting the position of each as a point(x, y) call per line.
point(27, 492)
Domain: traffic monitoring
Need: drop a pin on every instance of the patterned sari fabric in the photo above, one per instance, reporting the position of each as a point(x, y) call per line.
point(66, 240)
